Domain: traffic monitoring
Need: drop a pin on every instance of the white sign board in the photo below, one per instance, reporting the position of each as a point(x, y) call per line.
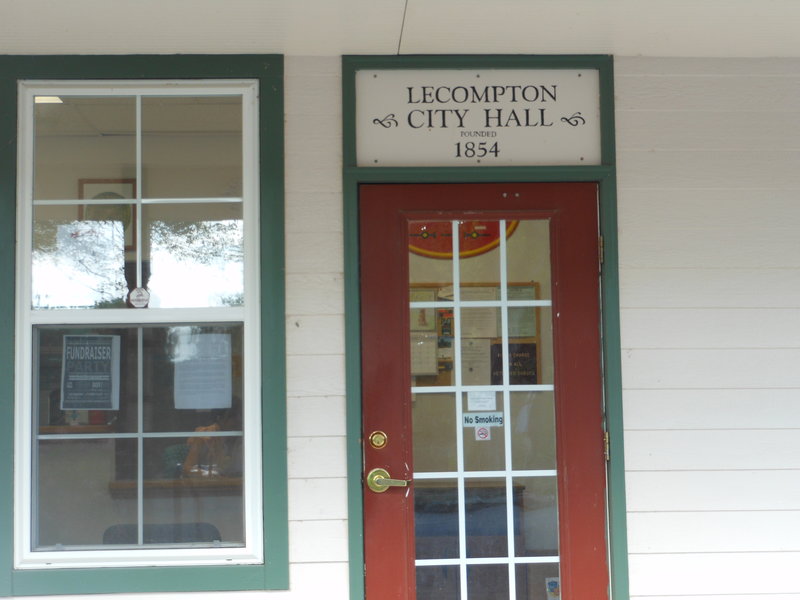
point(462, 117)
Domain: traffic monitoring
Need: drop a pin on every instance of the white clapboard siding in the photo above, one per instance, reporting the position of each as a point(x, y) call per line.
point(712, 409)
point(683, 169)
point(710, 328)
point(316, 416)
point(708, 491)
point(317, 458)
point(734, 287)
point(315, 293)
point(305, 494)
point(733, 531)
point(319, 252)
point(312, 457)
point(742, 92)
point(313, 212)
point(705, 450)
point(711, 368)
point(315, 375)
point(706, 597)
point(314, 334)
point(715, 574)
point(714, 229)
point(709, 176)
point(750, 130)
point(317, 541)
point(629, 69)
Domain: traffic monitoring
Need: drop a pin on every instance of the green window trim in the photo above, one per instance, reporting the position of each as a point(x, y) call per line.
point(604, 175)
point(274, 573)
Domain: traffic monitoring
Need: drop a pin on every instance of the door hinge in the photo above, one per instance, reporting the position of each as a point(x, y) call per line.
point(601, 250)
point(606, 446)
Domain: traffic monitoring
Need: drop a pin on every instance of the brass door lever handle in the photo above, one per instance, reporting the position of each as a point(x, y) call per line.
point(378, 480)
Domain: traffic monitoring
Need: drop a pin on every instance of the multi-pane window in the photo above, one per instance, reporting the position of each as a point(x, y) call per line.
point(138, 388)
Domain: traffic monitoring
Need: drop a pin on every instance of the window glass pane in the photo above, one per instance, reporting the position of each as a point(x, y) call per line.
point(76, 498)
point(85, 379)
point(79, 256)
point(195, 254)
point(193, 378)
point(80, 138)
point(91, 427)
point(192, 147)
point(201, 504)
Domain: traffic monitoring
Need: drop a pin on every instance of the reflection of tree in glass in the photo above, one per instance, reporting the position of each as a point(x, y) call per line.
point(89, 254)
point(208, 256)
point(199, 242)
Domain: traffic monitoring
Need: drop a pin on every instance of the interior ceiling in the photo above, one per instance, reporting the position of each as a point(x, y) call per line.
point(706, 28)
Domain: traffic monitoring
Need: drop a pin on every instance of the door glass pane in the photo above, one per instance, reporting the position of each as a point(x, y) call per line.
point(485, 518)
point(434, 423)
point(436, 518)
point(478, 264)
point(431, 240)
point(528, 260)
point(487, 582)
point(192, 147)
point(487, 339)
point(81, 144)
point(535, 515)
point(484, 431)
point(438, 583)
point(538, 582)
point(533, 427)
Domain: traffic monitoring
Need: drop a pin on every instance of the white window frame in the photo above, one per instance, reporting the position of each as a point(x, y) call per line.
point(249, 315)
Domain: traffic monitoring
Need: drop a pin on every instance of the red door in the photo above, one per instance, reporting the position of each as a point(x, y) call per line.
point(484, 469)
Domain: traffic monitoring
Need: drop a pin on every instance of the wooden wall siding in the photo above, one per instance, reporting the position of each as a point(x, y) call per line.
point(709, 176)
point(314, 331)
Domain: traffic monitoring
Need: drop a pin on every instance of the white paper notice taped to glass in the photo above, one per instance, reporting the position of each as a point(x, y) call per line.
point(467, 117)
point(481, 401)
point(202, 370)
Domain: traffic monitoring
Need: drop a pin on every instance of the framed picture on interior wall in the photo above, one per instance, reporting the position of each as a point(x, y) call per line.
point(104, 204)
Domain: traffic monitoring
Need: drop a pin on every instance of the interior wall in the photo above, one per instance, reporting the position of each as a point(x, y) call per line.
point(710, 274)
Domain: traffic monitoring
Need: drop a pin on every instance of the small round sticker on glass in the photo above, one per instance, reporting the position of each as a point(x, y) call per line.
point(139, 298)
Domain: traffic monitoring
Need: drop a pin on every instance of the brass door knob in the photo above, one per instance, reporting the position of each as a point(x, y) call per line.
point(378, 480)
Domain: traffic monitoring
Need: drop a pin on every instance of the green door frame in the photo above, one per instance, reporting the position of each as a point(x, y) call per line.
point(604, 175)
